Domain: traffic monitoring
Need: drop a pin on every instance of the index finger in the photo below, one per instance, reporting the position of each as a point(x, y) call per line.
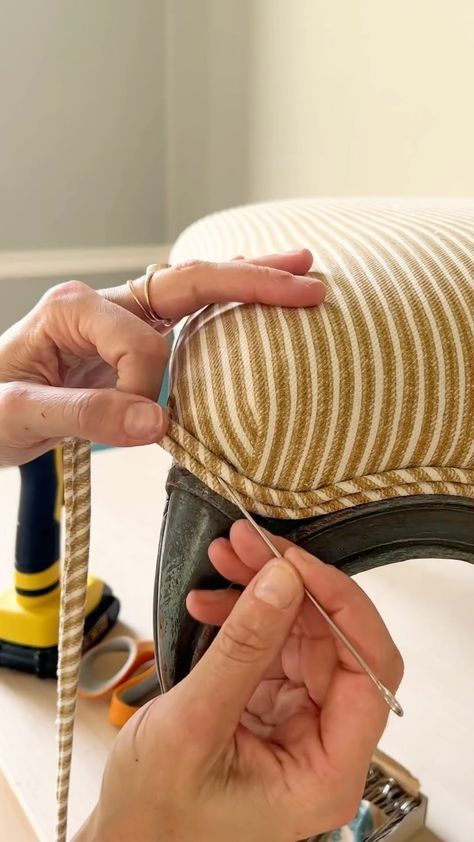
point(182, 289)
point(297, 262)
point(80, 321)
point(187, 287)
point(133, 348)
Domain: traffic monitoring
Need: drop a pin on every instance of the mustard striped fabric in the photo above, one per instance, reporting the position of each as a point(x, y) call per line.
point(77, 498)
point(366, 398)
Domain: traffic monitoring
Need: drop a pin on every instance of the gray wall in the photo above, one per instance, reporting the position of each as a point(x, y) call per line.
point(81, 123)
point(208, 90)
point(122, 121)
point(17, 296)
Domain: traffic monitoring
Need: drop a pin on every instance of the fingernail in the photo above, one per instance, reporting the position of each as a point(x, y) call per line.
point(298, 554)
point(314, 278)
point(143, 421)
point(278, 584)
point(318, 288)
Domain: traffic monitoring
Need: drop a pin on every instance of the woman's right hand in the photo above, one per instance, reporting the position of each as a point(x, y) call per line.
point(314, 709)
point(271, 734)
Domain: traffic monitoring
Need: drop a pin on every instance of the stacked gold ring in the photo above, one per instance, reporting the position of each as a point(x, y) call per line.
point(160, 324)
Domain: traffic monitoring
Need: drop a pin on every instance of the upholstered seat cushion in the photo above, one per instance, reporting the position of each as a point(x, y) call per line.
point(369, 396)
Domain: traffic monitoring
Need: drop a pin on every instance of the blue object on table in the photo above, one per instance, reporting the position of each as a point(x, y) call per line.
point(358, 830)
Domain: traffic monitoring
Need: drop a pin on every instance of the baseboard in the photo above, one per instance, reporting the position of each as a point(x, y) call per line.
point(68, 263)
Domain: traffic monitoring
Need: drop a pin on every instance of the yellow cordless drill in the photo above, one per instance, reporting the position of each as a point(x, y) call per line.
point(29, 611)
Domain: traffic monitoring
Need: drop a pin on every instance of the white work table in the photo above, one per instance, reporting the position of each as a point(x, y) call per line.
point(427, 604)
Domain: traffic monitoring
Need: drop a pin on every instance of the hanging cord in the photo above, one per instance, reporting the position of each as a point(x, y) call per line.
point(72, 612)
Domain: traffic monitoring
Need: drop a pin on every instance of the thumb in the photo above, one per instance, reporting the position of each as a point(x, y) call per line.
point(226, 677)
point(104, 416)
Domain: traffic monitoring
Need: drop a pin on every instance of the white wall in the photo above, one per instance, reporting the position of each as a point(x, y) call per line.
point(277, 98)
point(361, 97)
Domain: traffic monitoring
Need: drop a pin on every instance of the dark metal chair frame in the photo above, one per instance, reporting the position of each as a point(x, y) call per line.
point(355, 539)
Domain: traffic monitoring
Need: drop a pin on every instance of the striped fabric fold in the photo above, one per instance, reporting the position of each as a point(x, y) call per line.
point(369, 396)
point(77, 499)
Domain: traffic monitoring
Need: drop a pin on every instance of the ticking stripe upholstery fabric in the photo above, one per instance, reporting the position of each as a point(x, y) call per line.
point(368, 397)
point(77, 498)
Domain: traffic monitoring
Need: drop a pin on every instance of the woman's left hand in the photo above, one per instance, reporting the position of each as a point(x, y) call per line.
point(85, 363)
